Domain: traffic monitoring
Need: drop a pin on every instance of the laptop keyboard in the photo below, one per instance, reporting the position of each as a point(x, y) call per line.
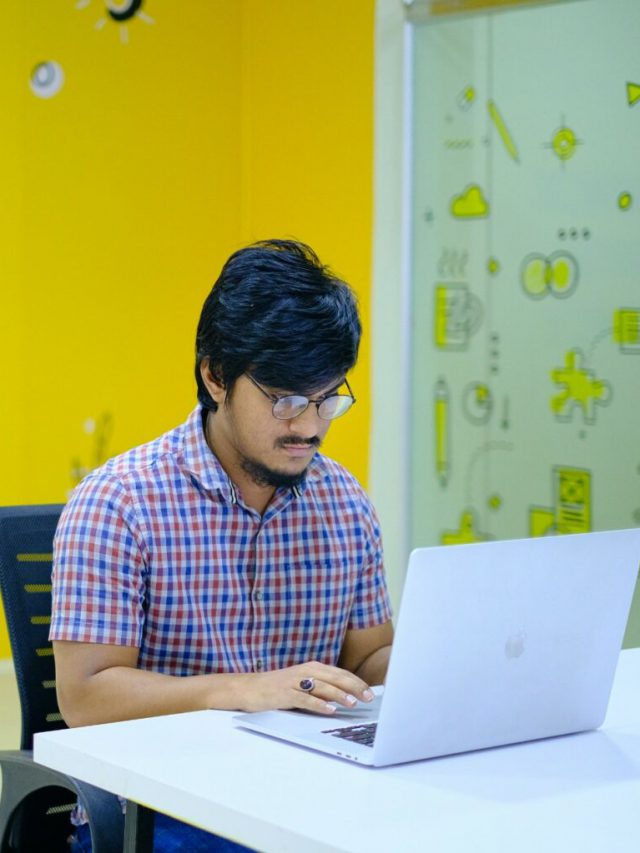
point(363, 734)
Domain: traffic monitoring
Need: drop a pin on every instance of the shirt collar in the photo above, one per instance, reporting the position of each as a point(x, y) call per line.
point(202, 462)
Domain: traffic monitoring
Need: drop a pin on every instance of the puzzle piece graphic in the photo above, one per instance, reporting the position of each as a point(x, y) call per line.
point(581, 389)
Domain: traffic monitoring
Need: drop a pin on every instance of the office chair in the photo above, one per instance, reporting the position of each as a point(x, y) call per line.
point(36, 802)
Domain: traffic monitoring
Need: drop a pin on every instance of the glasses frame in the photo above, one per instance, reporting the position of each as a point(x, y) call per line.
point(275, 399)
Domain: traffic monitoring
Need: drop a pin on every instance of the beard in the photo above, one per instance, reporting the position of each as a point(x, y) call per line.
point(262, 475)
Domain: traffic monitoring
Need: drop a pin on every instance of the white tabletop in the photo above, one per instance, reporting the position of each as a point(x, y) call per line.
point(580, 792)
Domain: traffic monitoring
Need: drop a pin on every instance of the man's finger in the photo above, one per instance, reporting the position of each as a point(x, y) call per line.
point(328, 692)
point(343, 681)
point(315, 704)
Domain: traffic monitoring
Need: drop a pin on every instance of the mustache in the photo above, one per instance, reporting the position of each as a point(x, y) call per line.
point(314, 441)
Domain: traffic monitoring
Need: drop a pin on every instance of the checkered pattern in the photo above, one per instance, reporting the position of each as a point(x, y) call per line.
point(157, 550)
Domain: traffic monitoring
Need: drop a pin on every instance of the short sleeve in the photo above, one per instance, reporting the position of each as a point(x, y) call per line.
point(99, 567)
point(371, 605)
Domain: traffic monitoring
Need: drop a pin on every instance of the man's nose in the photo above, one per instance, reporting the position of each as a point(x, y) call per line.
point(308, 423)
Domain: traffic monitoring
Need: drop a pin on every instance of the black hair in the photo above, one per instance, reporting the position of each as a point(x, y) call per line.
point(278, 313)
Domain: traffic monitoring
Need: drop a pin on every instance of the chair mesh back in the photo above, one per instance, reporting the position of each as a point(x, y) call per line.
point(26, 538)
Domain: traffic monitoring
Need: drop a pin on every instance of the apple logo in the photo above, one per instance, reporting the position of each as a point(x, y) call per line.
point(514, 647)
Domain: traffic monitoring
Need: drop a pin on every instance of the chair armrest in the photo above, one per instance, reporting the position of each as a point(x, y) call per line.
point(22, 777)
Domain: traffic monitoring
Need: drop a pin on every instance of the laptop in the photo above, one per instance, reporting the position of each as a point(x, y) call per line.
point(496, 643)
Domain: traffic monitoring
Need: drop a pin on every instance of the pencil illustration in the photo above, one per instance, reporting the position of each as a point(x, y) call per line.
point(441, 409)
point(502, 129)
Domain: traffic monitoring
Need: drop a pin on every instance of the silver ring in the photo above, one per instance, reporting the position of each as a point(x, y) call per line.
point(307, 684)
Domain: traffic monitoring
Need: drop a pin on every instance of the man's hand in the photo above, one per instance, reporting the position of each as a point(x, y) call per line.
point(101, 683)
point(285, 688)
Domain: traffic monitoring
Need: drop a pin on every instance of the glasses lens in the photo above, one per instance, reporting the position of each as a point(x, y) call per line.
point(334, 407)
point(289, 407)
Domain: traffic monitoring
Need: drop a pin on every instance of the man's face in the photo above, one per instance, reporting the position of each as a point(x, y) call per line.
point(272, 452)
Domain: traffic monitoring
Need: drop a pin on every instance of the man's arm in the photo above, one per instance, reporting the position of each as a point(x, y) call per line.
point(365, 652)
point(98, 683)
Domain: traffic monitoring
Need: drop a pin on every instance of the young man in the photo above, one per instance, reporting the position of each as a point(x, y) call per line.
point(228, 564)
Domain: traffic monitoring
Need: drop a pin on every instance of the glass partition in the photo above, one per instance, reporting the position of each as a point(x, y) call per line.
point(525, 410)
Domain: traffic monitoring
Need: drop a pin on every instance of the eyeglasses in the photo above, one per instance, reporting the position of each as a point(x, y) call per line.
point(329, 408)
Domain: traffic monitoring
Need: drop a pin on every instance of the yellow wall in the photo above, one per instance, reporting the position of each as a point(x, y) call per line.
point(308, 153)
point(175, 138)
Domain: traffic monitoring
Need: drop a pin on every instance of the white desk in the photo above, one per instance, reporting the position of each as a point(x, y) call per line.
point(576, 793)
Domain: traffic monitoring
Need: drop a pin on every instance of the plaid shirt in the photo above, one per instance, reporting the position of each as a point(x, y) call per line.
point(157, 550)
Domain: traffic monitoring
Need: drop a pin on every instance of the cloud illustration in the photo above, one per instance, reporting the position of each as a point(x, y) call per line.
point(470, 203)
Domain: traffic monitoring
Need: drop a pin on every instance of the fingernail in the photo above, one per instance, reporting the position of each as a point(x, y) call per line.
point(367, 695)
point(330, 709)
point(351, 700)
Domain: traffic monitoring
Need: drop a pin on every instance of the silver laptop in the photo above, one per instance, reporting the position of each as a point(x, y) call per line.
point(496, 643)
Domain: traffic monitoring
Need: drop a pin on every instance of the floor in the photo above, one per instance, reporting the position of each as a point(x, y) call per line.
point(9, 708)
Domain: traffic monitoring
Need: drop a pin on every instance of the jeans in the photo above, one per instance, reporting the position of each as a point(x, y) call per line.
point(169, 836)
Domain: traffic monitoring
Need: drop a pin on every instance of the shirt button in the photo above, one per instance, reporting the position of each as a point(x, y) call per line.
point(259, 665)
point(257, 595)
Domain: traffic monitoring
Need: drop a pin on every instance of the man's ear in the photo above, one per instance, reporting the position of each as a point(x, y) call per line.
point(213, 382)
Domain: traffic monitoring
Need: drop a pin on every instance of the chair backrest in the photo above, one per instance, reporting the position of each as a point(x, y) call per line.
point(26, 541)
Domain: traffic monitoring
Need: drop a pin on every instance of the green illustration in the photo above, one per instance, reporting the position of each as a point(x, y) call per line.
point(466, 98)
point(457, 315)
point(564, 142)
point(571, 510)
point(470, 203)
point(503, 130)
point(477, 403)
point(633, 93)
point(625, 200)
point(556, 274)
point(581, 389)
point(442, 427)
point(466, 533)
point(626, 329)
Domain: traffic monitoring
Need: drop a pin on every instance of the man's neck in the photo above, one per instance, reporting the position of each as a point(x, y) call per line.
point(255, 496)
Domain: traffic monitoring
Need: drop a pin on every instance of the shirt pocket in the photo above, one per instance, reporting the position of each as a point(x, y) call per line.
point(309, 606)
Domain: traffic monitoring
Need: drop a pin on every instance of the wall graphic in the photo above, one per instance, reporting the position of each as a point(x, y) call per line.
point(526, 273)
point(119, 12)
point(98, 432)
